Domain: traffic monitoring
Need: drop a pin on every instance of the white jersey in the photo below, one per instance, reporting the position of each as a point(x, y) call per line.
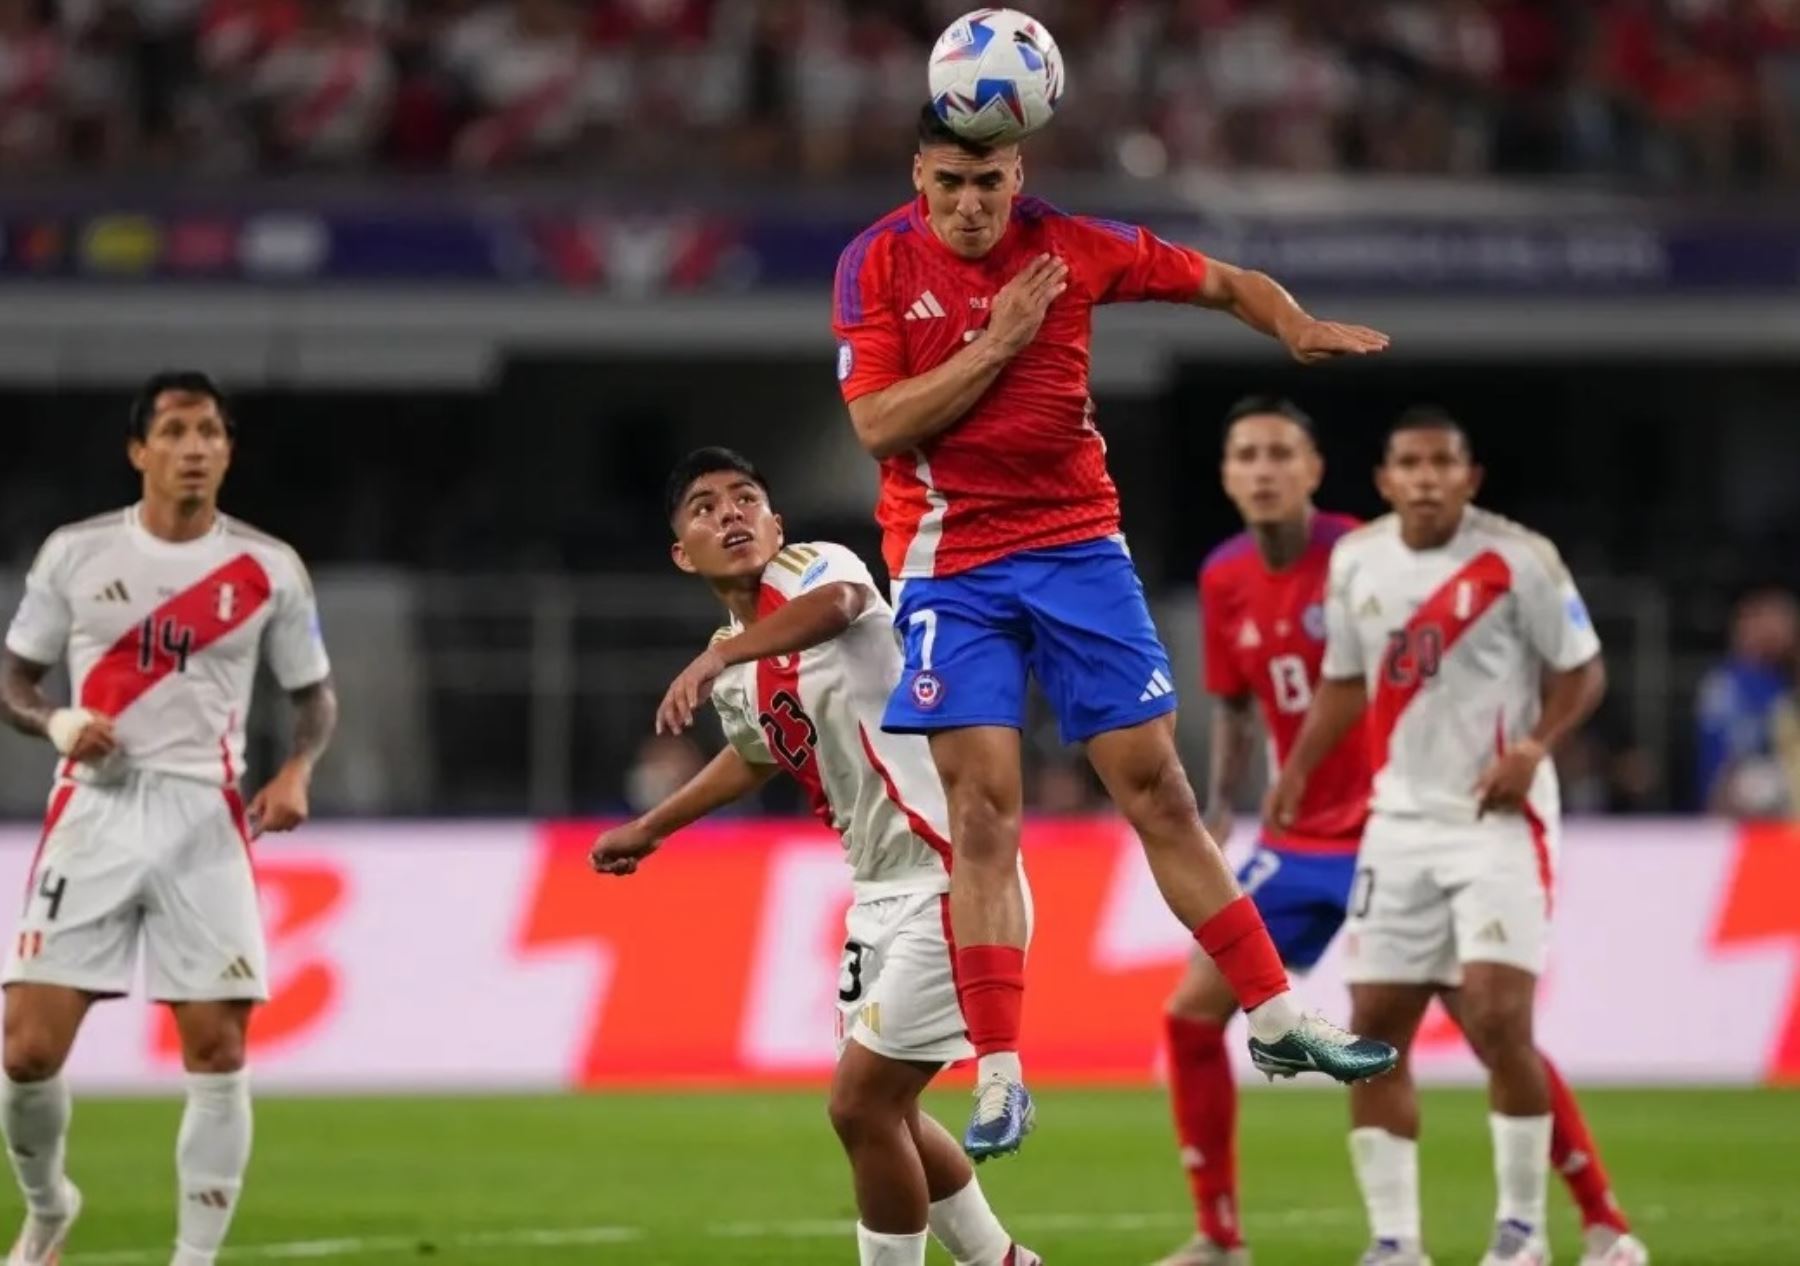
point(1452, 644)
point(163, 637)
point(818, 716)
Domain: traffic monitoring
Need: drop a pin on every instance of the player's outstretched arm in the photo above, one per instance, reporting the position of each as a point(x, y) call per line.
point(1233, 739)
point(1570, 698)
point(75, 732)
point(728, 777)
point(911, 411)
point(1335, 708)
point(1260, 302)
point(808, 621)
point(284, 803)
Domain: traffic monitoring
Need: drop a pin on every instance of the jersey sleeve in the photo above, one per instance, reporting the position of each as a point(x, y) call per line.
point(1223, 677)
point(40, 627)
point(871, 354)
point(1126, 263)
point(294, 642)
point(1555, 619)
point(800, 569)
point(1344, 657)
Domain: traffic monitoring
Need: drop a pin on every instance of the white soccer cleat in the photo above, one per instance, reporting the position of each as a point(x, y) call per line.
point(1201, 1251)
point(1393, 1253)
point(1607, 1247)
point(1517, 1244)
point(41, 1239)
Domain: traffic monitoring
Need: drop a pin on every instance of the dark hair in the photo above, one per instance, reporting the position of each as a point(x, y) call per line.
point(934, 131)
point(189, 382)
point(1260, 405)
point(706, 461)
point(1428, 417)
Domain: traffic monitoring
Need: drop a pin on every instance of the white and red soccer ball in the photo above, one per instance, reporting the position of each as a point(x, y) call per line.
point(996, 76)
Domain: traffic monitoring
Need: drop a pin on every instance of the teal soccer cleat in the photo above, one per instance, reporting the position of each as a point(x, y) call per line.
point(1318, 1046)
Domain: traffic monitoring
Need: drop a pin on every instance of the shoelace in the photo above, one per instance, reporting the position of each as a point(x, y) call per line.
point(990, 1100)
point(1319, 1027)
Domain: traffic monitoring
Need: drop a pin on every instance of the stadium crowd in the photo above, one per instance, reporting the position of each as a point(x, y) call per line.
point(1670, 92)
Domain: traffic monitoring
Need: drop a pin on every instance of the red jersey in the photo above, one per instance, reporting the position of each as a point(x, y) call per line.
point(1264, 634)
point(1025, 468)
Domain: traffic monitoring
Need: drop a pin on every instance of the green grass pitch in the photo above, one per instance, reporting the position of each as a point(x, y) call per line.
point(684, 1179)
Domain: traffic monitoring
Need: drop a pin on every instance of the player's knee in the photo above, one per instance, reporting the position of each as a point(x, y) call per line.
point(1496, 1027)
point(984, 820)
point(858, 1116)
point(1158, 800)
point(32, 1054)
point(219, 1050)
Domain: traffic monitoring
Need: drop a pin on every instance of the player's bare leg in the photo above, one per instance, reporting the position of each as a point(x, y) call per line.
point(1384, 1121)
point(872, 1100)
point(984, 790)
point(1203, 1095)
point(1143, 774)
point(1576, 1157)
point(961, 1219)
point(1496, 1010)
point(40, 1029)
point(213, 1149)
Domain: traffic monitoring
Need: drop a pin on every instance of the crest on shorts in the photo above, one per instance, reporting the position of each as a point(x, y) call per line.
point(1313, 621)
point(927, 689)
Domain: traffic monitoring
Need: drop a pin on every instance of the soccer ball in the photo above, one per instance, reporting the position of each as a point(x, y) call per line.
point(996, 76)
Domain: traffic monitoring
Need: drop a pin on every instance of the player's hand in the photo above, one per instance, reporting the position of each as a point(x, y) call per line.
point(688, 691)
point(282, 804)
point(1313, 341)
point(618, 851)
point(1281, 808)
point(1018, 310)
point(82, 735)
point(1507, 782)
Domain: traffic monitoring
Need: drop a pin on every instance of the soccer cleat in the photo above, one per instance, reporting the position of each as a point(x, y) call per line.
point(1393, 1253)
point(1319, 1046)
point(41, 1240)
point(1201, 1251)
point(1607, 1247)
point(1019, 1255)
point(1517, 1243)
point(1004, 1115)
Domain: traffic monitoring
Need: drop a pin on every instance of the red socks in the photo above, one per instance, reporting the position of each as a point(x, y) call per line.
point(1577, 1158)
point(1239, 945)
point(990, 984)
point(1205, 1101)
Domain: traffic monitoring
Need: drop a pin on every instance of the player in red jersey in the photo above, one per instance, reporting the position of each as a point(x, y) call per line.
point(964, 320)
point(1263, 616)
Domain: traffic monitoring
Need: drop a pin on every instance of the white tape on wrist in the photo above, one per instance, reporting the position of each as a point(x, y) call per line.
point(65, 726)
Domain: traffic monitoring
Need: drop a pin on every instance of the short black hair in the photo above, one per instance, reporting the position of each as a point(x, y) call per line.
point(934, 131)
point(1253, 406)
point(189, 382)
point(706, 461)
point(1428, 417)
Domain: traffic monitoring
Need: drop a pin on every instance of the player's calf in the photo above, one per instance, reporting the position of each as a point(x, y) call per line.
point(871, 1103)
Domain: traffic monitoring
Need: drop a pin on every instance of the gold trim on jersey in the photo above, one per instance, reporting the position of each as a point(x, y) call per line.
point(796, 558)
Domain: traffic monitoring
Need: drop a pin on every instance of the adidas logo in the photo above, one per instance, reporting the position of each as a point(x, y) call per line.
point(212, 1199)
point(925, 308)
point(115, 592)
point(1370, 608)
point(238, 969)
point(1494, 933)
point(1158, 687)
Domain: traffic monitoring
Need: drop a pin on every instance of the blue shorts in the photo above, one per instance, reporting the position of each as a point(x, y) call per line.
point(1074, 617)
point(1302, 896)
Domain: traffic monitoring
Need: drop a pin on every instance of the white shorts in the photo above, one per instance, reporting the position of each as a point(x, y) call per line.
point(896, 989)
point(153, 856)
point(1430, 896)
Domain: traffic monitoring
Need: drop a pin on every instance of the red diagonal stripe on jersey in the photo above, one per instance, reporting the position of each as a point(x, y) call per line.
point(122, 675)
point(920, 827)
point(781, 676)
point(1453, 609)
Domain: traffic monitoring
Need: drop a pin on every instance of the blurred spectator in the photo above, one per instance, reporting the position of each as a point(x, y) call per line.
point(32, 64)
point(664, 762)
point(519, 71)
point(1740, 774)
point(321, 92)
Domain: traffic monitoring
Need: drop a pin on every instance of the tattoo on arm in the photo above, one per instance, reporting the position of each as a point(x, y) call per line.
point(315, 717)
point(23, 705)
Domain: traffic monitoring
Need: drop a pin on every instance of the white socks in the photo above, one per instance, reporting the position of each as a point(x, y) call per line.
point(1521, 1167)
point(1387, 1170)
point(1274, 1019)
point(1000, 1063)
point(211, 1153)
point(36, 1118)
point(875, 1249)
point(965, 1225)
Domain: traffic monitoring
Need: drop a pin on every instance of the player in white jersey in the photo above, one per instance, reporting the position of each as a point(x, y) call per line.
point(799, 680)
point(161, 612)
point(1462, 635)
